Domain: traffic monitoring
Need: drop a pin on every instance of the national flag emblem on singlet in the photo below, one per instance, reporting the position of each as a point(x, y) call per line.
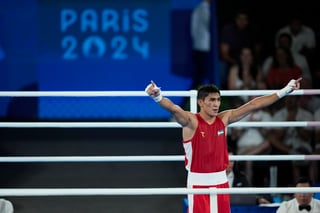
point(220, 132)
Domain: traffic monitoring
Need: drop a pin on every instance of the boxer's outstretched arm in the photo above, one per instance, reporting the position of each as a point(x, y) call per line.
point(179, 114)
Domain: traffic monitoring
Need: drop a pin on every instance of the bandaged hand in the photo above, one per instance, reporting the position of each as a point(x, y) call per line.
point(292, 85)
point(154, 92)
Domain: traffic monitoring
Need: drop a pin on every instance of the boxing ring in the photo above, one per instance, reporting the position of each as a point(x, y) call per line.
point(30, 192)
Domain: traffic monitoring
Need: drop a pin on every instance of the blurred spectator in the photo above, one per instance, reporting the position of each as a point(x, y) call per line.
point(314, 174)
point(200, 34)
point(246, 74)
point(234, 133)
point(312, 102)
point(302, 202)
point(291, 140)
point(304, 39)
point(285, 41)
point(234, 36)
point(309, 102)
point(237, 178)
point(253, 141)
point(282, 69)
point(6, 206)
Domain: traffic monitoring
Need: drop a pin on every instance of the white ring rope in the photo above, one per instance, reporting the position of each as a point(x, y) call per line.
point(149, 158)
point(149, 124)
point(147, 191)
point(142, 93)
point(151, 191)
point(192, 94)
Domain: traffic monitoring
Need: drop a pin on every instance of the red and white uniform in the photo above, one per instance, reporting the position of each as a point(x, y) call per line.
point(206, 159)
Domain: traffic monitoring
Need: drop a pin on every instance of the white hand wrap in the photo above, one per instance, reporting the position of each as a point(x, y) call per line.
point(287, 89)
point(157, 97)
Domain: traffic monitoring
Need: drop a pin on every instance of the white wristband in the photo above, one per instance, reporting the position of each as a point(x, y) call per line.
point(287, 89)
point(281, 93)
point(158, 98)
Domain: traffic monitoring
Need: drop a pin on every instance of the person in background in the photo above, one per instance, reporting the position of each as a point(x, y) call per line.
point(253, 141)
point(291, 140)
point(204, 139)
point(200, 35)
point(234, 36)
point(6, 206)
point(303, 36)
point(201, 48)
point(237, 178)
point(314, 168)
point(302, 202)
point(285, 41)
point(246, 74)
point(282, 69)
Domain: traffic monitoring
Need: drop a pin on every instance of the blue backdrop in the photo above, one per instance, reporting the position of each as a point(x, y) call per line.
point(82, 45)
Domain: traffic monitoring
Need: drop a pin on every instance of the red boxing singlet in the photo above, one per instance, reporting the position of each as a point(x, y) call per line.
point(206, 158)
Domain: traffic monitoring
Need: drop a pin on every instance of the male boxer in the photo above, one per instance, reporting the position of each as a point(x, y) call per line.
point(204, 140)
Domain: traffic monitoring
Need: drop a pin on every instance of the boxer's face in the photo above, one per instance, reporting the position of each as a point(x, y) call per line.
point(211, 104)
